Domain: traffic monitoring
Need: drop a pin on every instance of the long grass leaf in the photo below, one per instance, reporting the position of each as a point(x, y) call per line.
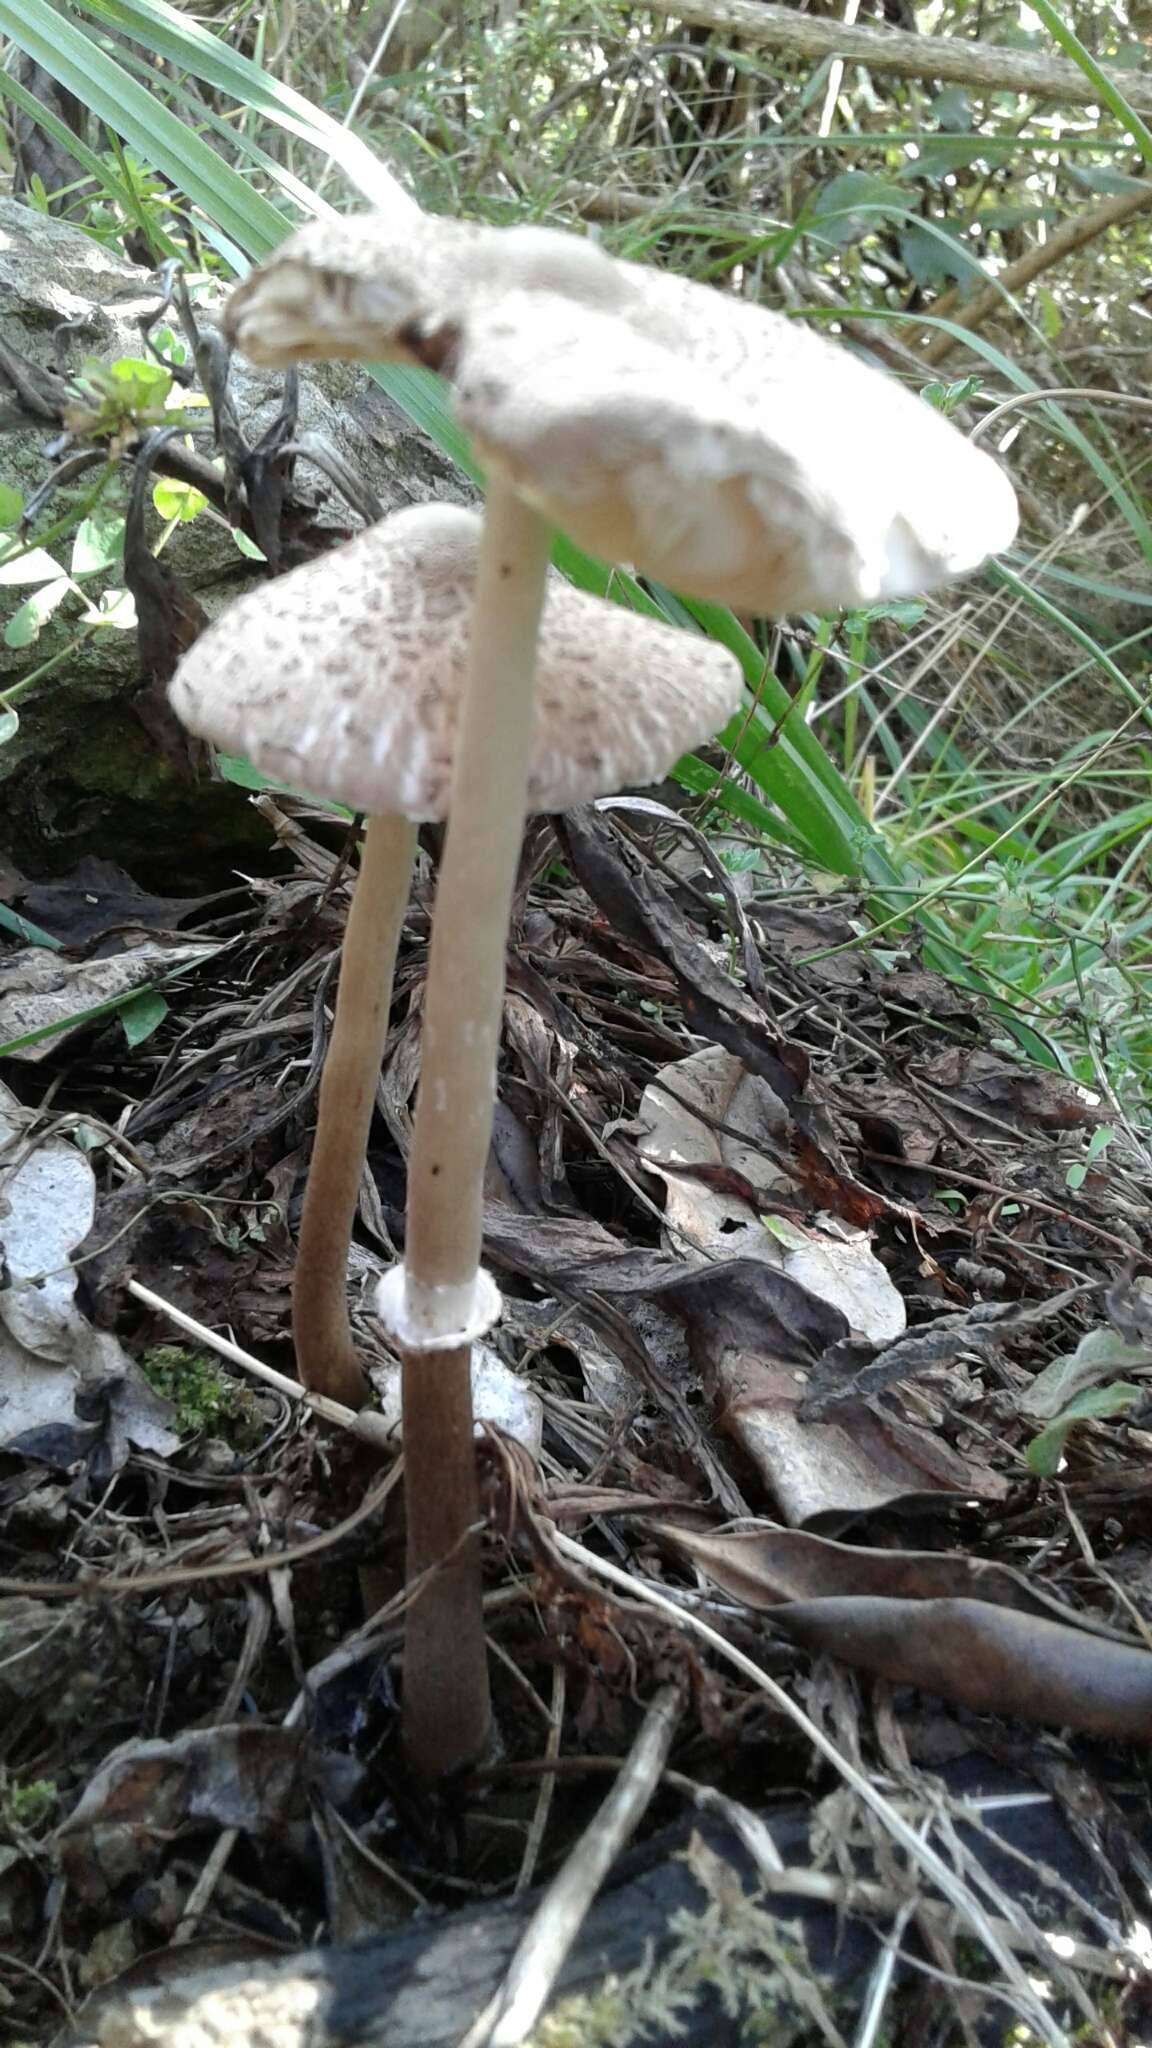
point(130, 110)
point(183, 41)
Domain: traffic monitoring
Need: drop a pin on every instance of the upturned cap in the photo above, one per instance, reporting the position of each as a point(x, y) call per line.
point(718, 446)
point(345, 677)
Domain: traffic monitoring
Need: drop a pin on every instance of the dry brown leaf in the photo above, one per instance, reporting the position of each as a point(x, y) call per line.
point(765, 1566)
point(988, 1658)
point(755, 1338)
point(718, 1137)
point(242, 1776)
point(831, 1472)
point(1025, 1096)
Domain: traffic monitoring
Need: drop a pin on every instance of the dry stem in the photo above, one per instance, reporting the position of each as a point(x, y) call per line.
point(556, 1923)
point(899, 53)
point(971, 312)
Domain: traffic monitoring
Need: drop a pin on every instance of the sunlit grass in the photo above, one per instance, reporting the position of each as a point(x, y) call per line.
point(980, 765)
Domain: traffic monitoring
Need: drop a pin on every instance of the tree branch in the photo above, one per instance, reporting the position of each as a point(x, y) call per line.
point(950, 59)
point(1074, 234)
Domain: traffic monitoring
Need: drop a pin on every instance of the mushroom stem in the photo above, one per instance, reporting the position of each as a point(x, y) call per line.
point(446, 1705)
point(325, 1353)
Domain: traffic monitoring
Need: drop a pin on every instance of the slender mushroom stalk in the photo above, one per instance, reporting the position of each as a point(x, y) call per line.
point(325, 1353)
point(445, 1726)
point(396, 675)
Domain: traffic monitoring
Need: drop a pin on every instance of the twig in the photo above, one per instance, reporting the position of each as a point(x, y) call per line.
point(1064, 241)
point(364, 1423)
point(201, 1893)
point(952, 59)
point(543, 1806)
point(881, 1979)
point(1088, 394)
point(556, 1923)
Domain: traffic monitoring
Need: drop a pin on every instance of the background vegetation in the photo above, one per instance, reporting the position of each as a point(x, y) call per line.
point(973, 209)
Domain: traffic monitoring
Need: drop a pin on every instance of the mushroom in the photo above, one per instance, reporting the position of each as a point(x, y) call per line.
point(347, 676)
point(709, 443)
point(732, 452)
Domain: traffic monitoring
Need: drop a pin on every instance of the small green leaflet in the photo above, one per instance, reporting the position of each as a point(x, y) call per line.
point(140, 1016)
point(1045, 1451)
point(28, 620)
point(174, 500)
point(98, 542)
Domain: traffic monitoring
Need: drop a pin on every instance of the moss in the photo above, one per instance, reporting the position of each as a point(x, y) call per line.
point(734, 1953)
point(25, 1806)
point(202, 1397)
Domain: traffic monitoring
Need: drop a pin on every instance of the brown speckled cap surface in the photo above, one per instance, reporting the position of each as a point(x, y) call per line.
point(344, 677)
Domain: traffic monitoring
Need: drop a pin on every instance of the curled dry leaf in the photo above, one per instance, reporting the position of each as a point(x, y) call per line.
point(848, 1372)
point(755, 1337)
point(793, 932)
point(254, 1778)
point(1027, 1097)
point(832, 1472)
point(97, 896)
point(988, 1658)
point(716, 1135)
point(766, 1567)
point(893, 1119)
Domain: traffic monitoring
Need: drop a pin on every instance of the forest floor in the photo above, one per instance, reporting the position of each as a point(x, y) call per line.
point(828, 1334)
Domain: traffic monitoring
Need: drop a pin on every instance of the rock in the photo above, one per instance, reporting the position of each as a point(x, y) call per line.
point(83, 775)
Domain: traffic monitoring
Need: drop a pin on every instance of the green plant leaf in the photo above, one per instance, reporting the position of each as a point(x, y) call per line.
point(174, 500)
point(27, 623)
point(98, 542)
point(29, 934)
point(851, 205)
point(1045, 1451)
point(180, 38)
point(142, 1014)
point(129, 109)
point(11, 506)
point(29, 565)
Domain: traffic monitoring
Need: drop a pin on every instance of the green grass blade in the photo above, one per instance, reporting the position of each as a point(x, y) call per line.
point(1107, 92)
point(209, 58)
point(169, 144)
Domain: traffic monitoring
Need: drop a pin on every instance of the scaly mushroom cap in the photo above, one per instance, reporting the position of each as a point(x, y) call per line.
point(366, 288)
point(345, 677)
point(718, 446)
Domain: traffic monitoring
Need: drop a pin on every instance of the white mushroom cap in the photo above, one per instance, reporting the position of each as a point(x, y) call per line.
point(345, 677)
point(718, 446)
point(363, 288)
point(805, 492)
